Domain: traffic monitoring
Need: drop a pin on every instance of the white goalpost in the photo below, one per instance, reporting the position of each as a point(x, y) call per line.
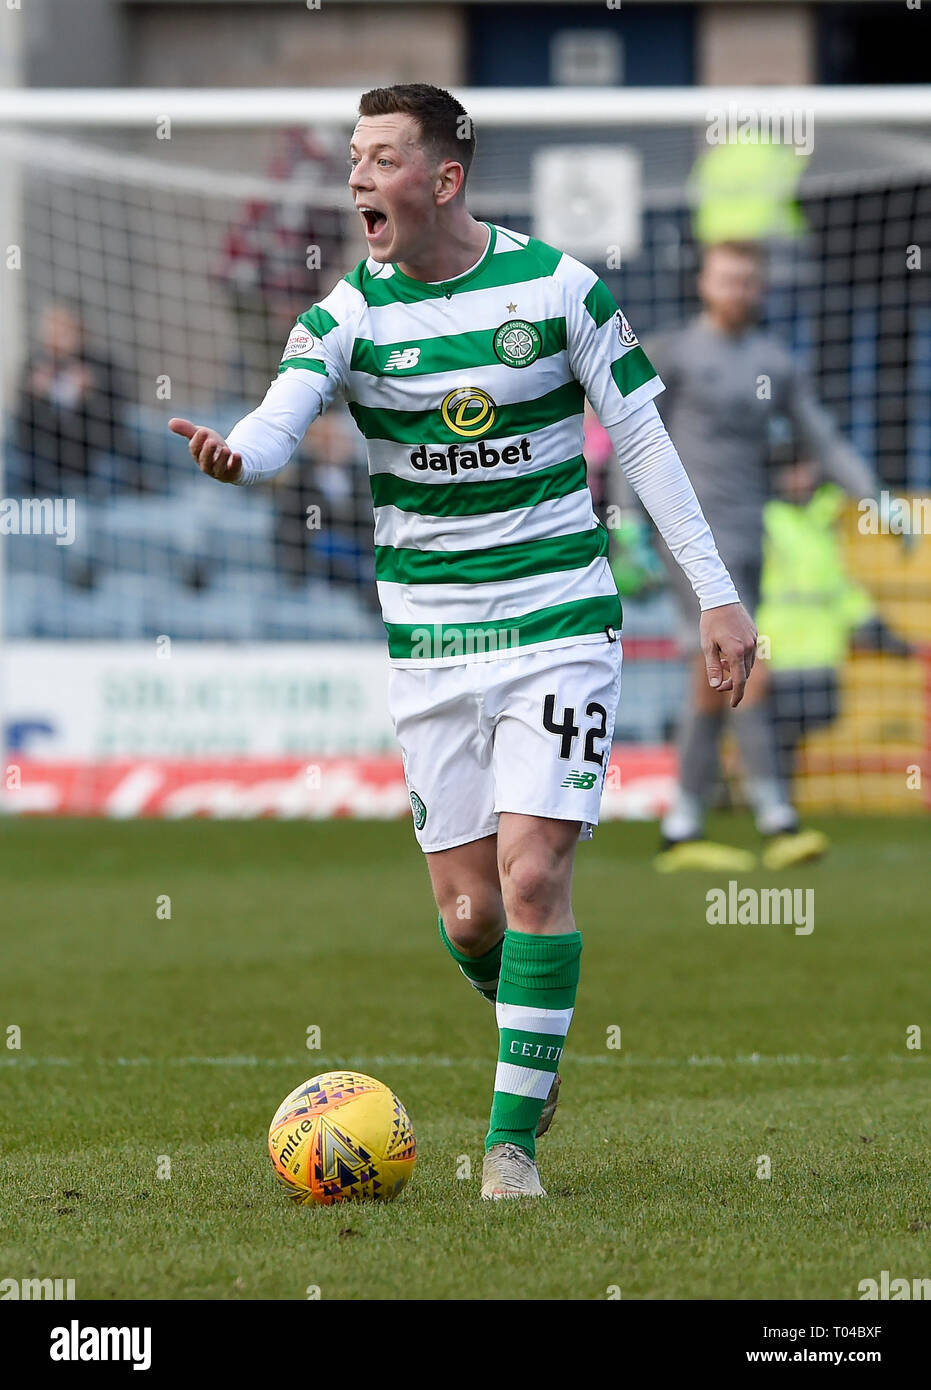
point(502, 107)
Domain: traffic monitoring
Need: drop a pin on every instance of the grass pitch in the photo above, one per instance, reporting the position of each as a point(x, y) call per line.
point(144, 1038)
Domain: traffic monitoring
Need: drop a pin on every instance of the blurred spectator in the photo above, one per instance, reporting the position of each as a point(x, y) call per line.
point(323, 510)
point(810, 609)
point(282, 256)
point(70, 412)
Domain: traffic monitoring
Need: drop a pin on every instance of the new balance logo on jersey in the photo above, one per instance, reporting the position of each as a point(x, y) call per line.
point(402, 358)
point(583, 780)
point(454, 458)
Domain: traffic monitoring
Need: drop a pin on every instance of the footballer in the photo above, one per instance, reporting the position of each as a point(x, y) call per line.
point(465, 352)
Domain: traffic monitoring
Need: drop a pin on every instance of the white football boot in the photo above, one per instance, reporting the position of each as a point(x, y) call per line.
point(509, 1171)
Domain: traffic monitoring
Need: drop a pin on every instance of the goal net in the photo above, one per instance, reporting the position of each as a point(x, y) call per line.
point(155, 269)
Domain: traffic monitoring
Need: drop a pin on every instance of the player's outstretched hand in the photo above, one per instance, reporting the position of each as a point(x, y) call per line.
point(728, 641)
point(210, 451)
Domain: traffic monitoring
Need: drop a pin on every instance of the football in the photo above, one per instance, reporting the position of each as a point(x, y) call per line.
point(339, 1137)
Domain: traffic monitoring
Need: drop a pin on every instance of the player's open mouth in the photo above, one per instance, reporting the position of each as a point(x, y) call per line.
point(374, 221)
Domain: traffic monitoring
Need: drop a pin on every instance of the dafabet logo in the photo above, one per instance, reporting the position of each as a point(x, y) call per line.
point(468, 411)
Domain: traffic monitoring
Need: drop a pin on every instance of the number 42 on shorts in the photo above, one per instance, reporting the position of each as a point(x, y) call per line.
point(569, 731)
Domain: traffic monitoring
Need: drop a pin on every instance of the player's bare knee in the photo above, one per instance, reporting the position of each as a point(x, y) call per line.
point(474, 922)
point(534, 887)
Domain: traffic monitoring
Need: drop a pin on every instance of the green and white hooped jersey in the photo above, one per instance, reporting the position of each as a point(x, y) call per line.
point(470, 394)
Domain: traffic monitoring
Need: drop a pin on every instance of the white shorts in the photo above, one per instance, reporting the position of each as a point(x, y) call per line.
point(530, 734)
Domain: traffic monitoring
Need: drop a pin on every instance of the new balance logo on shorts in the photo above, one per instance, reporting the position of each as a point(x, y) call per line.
point(584, 781)
point(402, 358)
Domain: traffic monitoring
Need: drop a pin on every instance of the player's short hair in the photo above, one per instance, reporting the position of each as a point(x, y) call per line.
point(446, 128)
point(749, 250)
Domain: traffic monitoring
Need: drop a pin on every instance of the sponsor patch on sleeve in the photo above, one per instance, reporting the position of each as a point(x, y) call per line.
point(299, 343)
point(624, 331)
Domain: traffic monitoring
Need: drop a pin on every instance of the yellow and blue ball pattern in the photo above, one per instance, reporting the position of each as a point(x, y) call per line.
point(342, 1136)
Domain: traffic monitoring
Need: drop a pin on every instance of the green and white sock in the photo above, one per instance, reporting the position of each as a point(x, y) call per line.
point(481, 971)
point(536, 996)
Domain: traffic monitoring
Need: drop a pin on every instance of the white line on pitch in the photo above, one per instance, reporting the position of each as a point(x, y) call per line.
point(388, 1060)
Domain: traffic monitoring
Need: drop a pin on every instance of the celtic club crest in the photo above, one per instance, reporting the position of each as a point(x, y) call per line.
point(419, 810)
point(517, 343)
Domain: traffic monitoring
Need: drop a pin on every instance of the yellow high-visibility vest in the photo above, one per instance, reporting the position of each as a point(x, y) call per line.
point(809, 606)
point(747, 192)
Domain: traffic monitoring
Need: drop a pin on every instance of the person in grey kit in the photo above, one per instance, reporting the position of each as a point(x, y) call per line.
point(726, 381)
